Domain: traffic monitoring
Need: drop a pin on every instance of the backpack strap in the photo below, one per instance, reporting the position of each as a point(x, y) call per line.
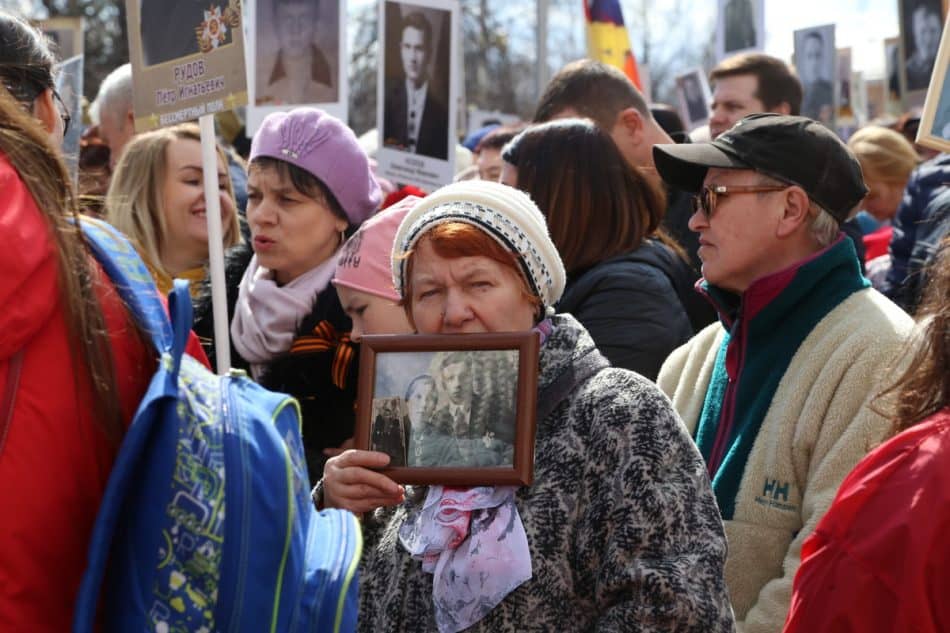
point(131, 278)
point(580, 371)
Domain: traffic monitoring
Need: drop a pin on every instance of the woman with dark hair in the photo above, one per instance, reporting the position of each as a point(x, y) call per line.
point(625, 276)
point(26, 71)
point(878, 560)
point(73, 367)
point(309, 184)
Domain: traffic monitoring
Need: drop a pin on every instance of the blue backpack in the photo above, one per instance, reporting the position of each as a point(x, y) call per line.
point(207, 522)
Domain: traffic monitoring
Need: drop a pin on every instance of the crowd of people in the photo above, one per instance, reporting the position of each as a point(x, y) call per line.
point(744, 366)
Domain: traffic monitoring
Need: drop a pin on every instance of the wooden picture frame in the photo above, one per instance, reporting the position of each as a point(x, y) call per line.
point(418, 392)
point(934, 130)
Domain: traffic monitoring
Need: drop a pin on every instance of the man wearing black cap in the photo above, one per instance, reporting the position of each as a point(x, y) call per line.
point(775, 394)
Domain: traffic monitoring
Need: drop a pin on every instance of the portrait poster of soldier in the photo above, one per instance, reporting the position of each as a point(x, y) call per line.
point(297, 52)
point(67, 78)
point(934, 130)
point(452, 409)
point(740, 26)
point(187, 59)
point(892, 75)
point(815, 59)
point(921, 23)
point(417, 91)
point(877, 98)
point(694, 98)
point(66, 34)
point(843, 87)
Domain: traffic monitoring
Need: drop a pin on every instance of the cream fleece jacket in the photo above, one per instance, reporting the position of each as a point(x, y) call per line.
point(818, 426)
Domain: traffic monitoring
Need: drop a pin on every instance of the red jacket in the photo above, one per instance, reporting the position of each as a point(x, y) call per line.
point(55, 460)
point(880, 558)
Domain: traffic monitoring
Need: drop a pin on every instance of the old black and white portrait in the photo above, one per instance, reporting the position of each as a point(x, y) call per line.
point(297, 48)
point(693, 96)
point(415, 114)
point(454, 409)
point(391, 429)
point(815, 61)
point(739, 22)
point(171, 29)
point(921, 28)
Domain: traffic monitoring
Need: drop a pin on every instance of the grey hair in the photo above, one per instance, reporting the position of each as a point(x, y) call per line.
point(115, 94)
point(824, 227)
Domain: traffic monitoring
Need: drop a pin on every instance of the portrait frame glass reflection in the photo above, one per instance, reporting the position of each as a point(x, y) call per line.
point(448, 409)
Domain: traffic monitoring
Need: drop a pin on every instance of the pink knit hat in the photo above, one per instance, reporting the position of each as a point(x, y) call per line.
point(364, 260)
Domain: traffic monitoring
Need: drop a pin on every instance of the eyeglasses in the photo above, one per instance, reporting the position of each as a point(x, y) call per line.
point(64, 112)
point(705, 202)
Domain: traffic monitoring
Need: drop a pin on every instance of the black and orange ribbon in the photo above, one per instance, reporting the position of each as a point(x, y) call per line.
point(325, 338)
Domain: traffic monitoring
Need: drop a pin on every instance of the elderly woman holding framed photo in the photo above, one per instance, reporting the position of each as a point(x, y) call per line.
point(619, 530)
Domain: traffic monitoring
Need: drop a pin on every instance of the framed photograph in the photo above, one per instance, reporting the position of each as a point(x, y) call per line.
point(740, 27)
point(187, 59)
point(451, 410)
point(66, 34)
point(843, 86)
point(876, 98)
point(418, 91)
point(892, 73)
point(920, 22)
point(934, 130)
point(694, 97)
point(815, 59)
point(296, 56)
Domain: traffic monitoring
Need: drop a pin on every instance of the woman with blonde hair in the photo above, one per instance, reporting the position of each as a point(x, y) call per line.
point(157, 199)
point(886, 158)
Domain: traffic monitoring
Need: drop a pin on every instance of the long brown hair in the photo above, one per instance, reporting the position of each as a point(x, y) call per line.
point(924, 387)
point(597, 206)
point(38, 163)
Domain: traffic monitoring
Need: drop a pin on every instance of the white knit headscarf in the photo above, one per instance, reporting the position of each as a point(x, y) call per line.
point(507, 214)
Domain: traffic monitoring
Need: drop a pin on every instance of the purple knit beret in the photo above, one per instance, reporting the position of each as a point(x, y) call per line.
point(323, 146)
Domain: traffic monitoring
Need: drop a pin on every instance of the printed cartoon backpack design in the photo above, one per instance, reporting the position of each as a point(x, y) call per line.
point(207, 522)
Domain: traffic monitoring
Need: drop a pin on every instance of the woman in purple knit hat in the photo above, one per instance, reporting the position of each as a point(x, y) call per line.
point(309, 187)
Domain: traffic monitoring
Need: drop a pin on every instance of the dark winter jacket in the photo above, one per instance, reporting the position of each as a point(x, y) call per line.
point(319, 369)
point(631, 305)
point(925, 184)
point(622, 528)
point(933, 227)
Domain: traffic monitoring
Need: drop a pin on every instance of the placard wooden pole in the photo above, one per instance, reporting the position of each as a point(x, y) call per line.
point(209, 161)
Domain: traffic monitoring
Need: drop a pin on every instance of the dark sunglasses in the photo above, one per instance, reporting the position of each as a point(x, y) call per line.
point(705, 201)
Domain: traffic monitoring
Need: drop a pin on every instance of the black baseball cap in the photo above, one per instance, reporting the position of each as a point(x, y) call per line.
point(793, 149)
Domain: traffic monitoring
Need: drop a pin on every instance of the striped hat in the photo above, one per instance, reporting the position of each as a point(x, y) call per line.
point(508, 215)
